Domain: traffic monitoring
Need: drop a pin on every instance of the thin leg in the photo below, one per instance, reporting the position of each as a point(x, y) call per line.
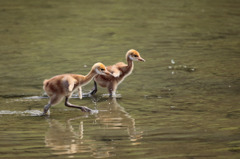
point(112, 89)
point(55, 99)
point(112, 93)
point(80, 92)
point(46, 108)
point(83, 108)
point(94, 90)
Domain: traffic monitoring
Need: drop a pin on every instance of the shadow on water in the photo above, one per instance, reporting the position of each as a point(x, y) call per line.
point(111, 124)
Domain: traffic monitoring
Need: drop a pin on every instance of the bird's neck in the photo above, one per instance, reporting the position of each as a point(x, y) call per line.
point(129, 66)
point(89, 77)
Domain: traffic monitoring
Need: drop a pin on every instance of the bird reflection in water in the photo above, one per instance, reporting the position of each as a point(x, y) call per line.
point(116, 118)
point(96, 135)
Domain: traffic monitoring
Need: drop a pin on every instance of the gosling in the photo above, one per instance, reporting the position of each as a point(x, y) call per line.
point(64, 85)
point(119, 72)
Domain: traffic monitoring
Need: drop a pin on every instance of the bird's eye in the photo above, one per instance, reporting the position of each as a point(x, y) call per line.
point(135, 55)
point(102, 69)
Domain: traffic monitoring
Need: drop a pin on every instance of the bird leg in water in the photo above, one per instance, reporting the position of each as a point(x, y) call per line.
point(94, 90)
point(112, 89)
point(83, 108)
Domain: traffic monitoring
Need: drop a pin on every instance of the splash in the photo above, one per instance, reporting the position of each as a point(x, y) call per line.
point(23, 113)
point(181, 67)
point(94, 112)
point(114, 96)
point(36, 97)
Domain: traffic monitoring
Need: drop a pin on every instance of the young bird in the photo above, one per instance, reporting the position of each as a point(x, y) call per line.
point(64, 85)
point(119, 72)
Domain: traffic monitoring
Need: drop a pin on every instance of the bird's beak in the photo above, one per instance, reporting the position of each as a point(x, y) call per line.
point(141, 59)
point(107, 72)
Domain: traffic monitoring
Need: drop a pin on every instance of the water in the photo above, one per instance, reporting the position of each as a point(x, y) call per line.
point(183, 102)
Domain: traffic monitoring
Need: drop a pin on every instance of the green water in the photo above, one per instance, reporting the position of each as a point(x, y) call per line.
point(183, 102)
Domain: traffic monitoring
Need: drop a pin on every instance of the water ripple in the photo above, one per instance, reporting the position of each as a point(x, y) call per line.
point(24, 113)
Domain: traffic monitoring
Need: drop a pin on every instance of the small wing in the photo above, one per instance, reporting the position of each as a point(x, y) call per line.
point(120, 64)
point(116, 73)
point(71, 82)
point(114, 70)
point(70, 88)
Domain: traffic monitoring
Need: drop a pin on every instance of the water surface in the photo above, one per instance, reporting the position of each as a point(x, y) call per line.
point(183, 102)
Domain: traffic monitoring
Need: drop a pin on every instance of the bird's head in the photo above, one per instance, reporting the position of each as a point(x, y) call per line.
point(100, 69)
point(134, 55)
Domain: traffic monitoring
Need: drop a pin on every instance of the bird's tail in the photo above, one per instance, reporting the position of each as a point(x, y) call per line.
point(45, 83)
